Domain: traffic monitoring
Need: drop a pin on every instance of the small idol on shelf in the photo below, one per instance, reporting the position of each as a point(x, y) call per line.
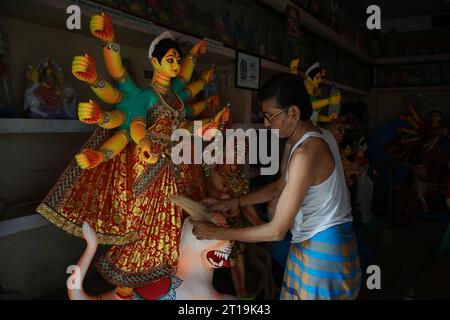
point(48, 94)
point(448, 187)
point(7, 107)
point(180, 14)
point(135, 7)
point(364, 183)
point(222, 27)
point(351, 169)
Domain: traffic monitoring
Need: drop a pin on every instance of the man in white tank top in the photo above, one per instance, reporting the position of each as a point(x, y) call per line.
point(323, 261)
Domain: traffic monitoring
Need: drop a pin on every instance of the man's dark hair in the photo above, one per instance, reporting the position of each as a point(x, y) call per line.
point(165, 45)
point(287, 90)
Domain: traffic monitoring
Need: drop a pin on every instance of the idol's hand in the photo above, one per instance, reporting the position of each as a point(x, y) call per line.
point(335, 99)
point(90, 112)
point(293, 66)
point(333, 116)
point(89, 158)
point(84, 69)
point(223, 206)
point(199, 48)
point(33, 75)
point(212, 102)
point(102, 28)
point(89, 235)
point(148, 153)
point(207, 76)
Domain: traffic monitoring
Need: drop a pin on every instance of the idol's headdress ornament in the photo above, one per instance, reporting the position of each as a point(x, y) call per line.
point(312, 67)
point(162, 36)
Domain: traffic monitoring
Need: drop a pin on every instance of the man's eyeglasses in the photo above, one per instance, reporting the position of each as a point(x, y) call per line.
point(274, 115)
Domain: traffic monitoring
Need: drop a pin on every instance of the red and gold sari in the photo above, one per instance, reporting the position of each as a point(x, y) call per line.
point(126, 201)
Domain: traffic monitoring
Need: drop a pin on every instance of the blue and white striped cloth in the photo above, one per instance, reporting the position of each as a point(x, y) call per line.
point(324, 267)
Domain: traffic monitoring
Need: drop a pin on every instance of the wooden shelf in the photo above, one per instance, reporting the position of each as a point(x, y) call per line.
point(54, 16)
point(321, 29)
point(22, 224)
point(220, 54)
point(8, 126)
point(410, 88)
point(426, 58)
point(345, 87)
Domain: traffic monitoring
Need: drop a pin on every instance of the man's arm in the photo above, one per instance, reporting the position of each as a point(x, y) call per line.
point(275, 188)
point(301, 177)
point(264, 194)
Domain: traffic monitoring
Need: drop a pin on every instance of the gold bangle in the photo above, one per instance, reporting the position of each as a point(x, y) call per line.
point(123, 77)
point(107, 153)
point(106, 118)
point(108, 42)
point(97, 83)
point(193, 58)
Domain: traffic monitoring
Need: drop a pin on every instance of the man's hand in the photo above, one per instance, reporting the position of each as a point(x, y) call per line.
point(223, 206)
point(205, 230)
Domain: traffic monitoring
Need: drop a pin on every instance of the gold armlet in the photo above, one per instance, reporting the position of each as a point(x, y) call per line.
point(111, 45)
point(123, 77)
point(192, 58)
point(98, 82)
point(106, 118)
point(107, 153)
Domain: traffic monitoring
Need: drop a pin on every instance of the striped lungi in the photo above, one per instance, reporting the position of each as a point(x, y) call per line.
point(325, 267)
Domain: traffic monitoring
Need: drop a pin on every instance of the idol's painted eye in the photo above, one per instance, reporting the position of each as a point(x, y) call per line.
point(170, 60)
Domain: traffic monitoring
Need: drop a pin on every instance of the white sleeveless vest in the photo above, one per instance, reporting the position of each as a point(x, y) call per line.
point(325, 205)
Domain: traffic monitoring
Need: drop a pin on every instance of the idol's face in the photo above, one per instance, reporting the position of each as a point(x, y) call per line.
point(435, 118)
point(317, 80)
point(348, 150)
point(364, 147)
point(170, 64)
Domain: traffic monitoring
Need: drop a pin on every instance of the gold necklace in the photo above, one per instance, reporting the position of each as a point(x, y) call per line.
point(162, 88)
point(160, 97)
point(177, 115)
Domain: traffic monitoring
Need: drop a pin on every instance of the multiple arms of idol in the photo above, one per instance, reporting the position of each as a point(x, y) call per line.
point(84, 69)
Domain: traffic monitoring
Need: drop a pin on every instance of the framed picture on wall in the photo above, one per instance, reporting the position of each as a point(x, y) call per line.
point(248, 71)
